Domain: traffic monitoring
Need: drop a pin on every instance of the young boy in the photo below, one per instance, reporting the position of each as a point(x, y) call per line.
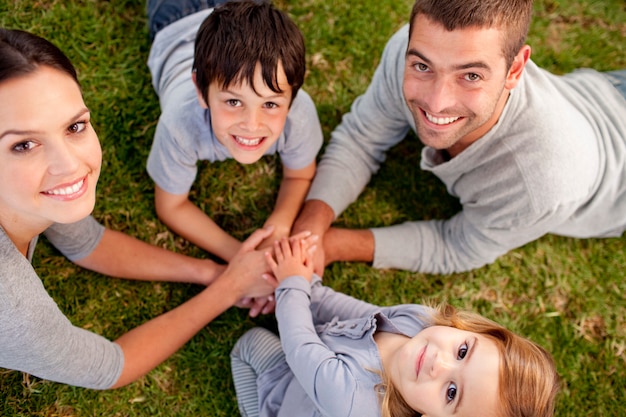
point(234, 94)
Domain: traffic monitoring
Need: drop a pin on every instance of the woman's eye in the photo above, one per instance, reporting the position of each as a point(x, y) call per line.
point(451, 393)
point(77, 127)
point(23, 146)
point(462, 351)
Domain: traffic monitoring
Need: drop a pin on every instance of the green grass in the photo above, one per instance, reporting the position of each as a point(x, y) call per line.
point(566, 294)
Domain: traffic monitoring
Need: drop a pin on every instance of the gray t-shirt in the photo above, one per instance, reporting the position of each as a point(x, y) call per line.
point(35, 336)
point(184, 134)
point(554, 163)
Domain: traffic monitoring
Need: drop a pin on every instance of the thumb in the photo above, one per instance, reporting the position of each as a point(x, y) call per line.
point(256, 238)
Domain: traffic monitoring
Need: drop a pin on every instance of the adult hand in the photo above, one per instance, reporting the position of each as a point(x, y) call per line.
point(246, 270)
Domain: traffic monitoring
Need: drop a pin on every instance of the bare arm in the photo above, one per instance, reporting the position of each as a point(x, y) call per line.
point(316, 217)
point(123, 256)
point(148, 345)
point(186, 219)
point(293, 190)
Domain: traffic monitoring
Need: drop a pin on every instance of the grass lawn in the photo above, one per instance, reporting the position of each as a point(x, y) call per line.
point(566, 294)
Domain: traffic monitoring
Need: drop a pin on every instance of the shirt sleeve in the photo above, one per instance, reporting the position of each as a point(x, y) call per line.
point(302, 132)
point(76, 240)
point(378, 120)
point(323, 374)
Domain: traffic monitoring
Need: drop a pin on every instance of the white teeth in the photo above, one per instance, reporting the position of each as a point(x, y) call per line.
point(441, 120)
point(247, 142)
point(67, 190)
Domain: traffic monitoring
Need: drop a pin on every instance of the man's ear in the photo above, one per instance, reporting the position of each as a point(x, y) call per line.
point(201, 99)
point(517, 67)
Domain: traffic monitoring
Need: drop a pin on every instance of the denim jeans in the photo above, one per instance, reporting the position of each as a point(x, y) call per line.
point(163, 12)
point(618, 79)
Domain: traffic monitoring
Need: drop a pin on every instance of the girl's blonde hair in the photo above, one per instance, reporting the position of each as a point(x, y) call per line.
point(528, 381)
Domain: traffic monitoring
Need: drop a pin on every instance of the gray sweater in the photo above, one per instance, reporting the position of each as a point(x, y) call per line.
point(554, 163)
point(331, 357)
point(35, 336)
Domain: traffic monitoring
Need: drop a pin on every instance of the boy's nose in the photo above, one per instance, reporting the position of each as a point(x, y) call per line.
point(252, 120)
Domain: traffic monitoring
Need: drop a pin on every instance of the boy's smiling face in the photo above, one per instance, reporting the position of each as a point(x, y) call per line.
point(246, 120)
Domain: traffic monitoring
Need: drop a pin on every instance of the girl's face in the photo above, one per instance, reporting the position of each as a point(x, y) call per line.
point(444, 371)
point(49, 153)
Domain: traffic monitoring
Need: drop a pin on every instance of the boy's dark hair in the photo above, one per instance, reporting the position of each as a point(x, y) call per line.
point(239, 34)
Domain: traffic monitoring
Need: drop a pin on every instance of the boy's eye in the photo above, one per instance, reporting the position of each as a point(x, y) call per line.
point(271, 105)
point(451, 392)
point(462, 351)
point(233, 102)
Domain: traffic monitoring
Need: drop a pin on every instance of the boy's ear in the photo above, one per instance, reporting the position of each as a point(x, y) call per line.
point(201, 100)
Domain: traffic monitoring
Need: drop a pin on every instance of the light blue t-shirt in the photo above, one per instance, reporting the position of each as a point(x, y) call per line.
point(184, 134)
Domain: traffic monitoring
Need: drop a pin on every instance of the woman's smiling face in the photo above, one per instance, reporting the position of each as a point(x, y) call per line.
point(50, 156)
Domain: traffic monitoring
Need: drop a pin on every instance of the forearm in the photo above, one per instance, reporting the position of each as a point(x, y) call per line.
point(288, 203)
point(315, 217)
point(148, 345)
point(187, 220)
point(122, 256)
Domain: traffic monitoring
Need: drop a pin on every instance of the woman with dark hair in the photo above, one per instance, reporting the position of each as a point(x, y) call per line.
point(50, 160)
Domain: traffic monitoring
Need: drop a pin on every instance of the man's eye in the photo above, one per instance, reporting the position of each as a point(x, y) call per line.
point(472, 77)
point(451, 393)
point(421, 67)
point(462, 351)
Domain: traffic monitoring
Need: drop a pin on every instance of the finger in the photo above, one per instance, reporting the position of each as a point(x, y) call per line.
point(285, 245)
point(256, 238)
point(271, 280)
point(270, 306)
point(278, 251)
point(270, 260)
point(256, 308)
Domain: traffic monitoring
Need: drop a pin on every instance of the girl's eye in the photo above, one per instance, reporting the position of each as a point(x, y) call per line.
point(23, 146)
point(451, 392)
point(77, 127)
point(462, 351)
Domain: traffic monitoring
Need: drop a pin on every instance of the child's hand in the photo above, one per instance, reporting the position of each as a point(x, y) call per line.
point(291, 257)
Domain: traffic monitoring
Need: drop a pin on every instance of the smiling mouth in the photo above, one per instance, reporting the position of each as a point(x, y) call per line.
point(69, 190)
point(441, 121)
point(420, 362)
point(250, 142)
